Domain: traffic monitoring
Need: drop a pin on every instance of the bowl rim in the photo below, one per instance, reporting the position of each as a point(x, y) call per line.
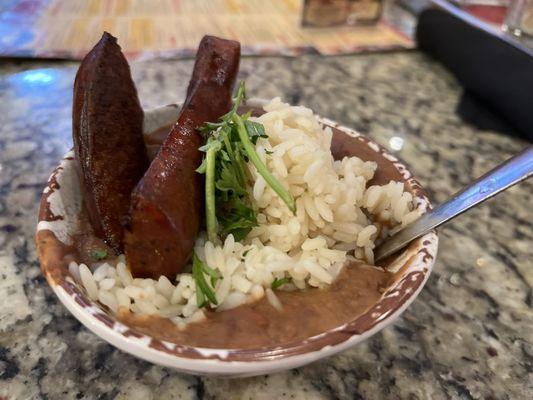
point(248, 362)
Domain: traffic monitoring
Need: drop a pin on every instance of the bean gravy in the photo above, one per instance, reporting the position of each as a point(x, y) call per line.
point(304, 314)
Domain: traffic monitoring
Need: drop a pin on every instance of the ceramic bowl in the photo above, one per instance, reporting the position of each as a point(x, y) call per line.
point(59, 218)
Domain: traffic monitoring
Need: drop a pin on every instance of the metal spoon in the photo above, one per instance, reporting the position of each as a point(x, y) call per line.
point(505, 175)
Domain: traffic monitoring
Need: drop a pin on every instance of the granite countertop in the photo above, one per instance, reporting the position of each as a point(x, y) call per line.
point(468, 335)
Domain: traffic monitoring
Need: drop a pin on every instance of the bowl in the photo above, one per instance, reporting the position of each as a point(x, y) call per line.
point(59, 218)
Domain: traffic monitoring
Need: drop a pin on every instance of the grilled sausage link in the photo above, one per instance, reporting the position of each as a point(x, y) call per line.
point(107, 121)
point(167, 204)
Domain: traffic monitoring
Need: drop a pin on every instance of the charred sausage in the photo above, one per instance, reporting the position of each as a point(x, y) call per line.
point(167, 204)
point(107, 121)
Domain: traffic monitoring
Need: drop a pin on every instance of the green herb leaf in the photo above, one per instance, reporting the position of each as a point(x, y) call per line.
point(228, 180)
point(255, 130)
point(237, 100)
point(279, 283)
point(230, 145)
point(203, 167)
point(210, 126)
point(210, 211)
point(261, 168)
point(200, 298)
point(98, 254)
point(204, 292)
point(211, 272)
point(238, 220)
point(211, 144)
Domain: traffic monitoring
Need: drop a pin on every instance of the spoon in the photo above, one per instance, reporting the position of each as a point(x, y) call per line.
point(503, 176)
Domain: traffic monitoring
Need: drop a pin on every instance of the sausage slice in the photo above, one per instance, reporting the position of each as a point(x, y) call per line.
point(167, 205)
point(107, 121)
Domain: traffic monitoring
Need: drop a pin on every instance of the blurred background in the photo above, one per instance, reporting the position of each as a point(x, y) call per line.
point(169, 28)
point(166, 28)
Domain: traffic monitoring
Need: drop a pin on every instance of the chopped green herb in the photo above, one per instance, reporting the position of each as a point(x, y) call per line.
point(210, 195)
point(228, 203)
point(244, 134)
point(269, 152)
point(98, 254)
point(255, 130)
point(279, 283)
point(204, 292)
point(230, 145)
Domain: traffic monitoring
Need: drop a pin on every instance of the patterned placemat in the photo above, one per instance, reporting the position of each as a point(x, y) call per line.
point(169, 28)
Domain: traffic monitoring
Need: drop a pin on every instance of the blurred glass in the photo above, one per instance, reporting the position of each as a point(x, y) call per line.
point(519, 18)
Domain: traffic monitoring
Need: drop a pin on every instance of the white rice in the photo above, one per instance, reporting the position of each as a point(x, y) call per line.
point(309, 248)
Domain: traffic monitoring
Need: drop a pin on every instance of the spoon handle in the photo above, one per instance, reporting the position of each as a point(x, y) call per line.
point(505, 175)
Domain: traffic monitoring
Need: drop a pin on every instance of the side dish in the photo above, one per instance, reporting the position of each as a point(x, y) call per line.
point(246, 216)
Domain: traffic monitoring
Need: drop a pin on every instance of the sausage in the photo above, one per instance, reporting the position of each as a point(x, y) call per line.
point(167, 205)
point(107, 121)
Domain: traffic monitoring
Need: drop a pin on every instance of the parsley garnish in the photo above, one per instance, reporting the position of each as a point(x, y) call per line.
point(230, 145)
point(204, 291)
point(279, 283)
point(228, 203)
point(98, 254)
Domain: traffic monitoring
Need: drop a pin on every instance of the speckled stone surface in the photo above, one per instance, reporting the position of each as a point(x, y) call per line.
point(469, 335)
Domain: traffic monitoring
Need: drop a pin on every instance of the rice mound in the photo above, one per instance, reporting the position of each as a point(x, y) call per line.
point(331, 226)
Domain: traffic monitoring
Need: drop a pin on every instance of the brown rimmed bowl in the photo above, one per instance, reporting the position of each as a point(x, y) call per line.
point(59, 217)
